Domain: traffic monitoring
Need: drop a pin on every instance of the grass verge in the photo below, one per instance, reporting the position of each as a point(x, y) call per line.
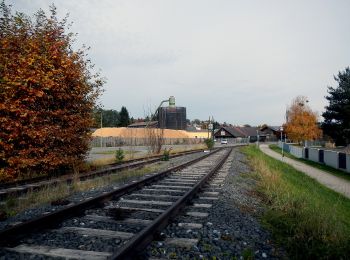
point(13, 206)
point(306, 218)
point(320, 166)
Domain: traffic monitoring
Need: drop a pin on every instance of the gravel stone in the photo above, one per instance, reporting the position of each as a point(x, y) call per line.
point(81, 196)
point(231, 230)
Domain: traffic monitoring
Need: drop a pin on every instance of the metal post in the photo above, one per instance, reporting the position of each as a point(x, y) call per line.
point(281, 129)
point(208, 127)
point(257, 138)
point(212, 129)
point(101, 129)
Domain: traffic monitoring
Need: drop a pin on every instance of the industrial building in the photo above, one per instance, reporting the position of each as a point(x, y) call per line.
point(170, 117)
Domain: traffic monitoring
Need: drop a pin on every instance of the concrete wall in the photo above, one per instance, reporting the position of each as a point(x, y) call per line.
point(286, 147)
point(313, 154)
point(296, 151)
point(331, 158)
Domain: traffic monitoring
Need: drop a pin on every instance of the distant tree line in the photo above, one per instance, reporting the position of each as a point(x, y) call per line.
point(111, 118)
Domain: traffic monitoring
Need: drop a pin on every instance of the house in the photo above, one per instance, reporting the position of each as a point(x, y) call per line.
point(239, 132)
point(272, 133)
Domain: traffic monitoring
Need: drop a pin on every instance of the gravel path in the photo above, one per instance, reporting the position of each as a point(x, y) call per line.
point(333, 182)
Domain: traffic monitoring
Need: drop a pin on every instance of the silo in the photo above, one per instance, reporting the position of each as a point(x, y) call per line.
point(172, 117)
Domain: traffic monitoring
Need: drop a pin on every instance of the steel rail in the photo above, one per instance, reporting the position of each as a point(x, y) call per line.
point(12, 234)
point(142, 239)
point(68, 178)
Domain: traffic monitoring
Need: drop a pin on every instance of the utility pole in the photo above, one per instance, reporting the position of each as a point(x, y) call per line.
point(208, 126)
point(212, 128)
point(281, 129)
point(101, 128)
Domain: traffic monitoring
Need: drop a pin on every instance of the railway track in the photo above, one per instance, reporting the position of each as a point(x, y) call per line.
point(116, 225)
point(18, 188)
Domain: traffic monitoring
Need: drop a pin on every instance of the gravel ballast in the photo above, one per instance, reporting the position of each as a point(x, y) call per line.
point(231, 229)
point(80, 196)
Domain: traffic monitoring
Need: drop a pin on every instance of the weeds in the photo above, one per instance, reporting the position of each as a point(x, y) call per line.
point(166, 154)
point(119, 155)
point(53, 193)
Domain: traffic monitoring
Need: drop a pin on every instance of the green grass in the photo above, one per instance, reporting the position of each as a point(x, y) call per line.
point(323, 167)
point(309, 220)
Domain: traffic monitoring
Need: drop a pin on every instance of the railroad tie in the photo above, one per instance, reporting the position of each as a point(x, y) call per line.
point(163, 190)
point(155, 195)
point(148, 202)
point(190, 225)
point(60, 252)
point(197, 214)
point(202, 205)
point(96, 232)
point(105, 219)
point(142, 209)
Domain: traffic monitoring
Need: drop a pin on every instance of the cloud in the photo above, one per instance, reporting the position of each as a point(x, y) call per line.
point(240, 61)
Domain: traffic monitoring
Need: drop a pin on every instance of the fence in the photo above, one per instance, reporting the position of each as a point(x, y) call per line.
point(338, 160)
point(130, 141)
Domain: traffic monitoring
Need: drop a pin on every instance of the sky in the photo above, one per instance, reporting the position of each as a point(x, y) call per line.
point(240, 61)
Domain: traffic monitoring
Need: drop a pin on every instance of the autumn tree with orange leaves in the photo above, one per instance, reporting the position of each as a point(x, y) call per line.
point(47, 93)
point(301, 121)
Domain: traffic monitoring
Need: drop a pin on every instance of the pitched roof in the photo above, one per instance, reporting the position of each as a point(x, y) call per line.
point(273, 128)
point(232, 131)
point(237, 131)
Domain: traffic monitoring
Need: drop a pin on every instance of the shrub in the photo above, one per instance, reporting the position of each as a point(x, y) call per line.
point(119, 155)
point(47, 93)
point(209, 143)
point(166, 154)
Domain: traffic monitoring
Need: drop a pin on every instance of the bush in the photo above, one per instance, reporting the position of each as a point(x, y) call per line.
point(47, 93)
point(166, 155)
point(119, 155)
point(209, 143)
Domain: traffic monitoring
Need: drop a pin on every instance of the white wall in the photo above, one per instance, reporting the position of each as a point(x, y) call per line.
point(296, 151)
point(313, 154)
point(331, 158)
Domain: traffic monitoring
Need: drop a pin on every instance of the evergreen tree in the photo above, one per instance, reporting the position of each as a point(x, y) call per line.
point(110, 118)
point(124, 118)
point(337, 115)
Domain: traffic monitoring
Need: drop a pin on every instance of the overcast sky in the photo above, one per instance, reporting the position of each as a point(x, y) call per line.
point(239, 61)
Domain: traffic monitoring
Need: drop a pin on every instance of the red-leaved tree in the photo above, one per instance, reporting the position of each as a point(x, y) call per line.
point(47, 93)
